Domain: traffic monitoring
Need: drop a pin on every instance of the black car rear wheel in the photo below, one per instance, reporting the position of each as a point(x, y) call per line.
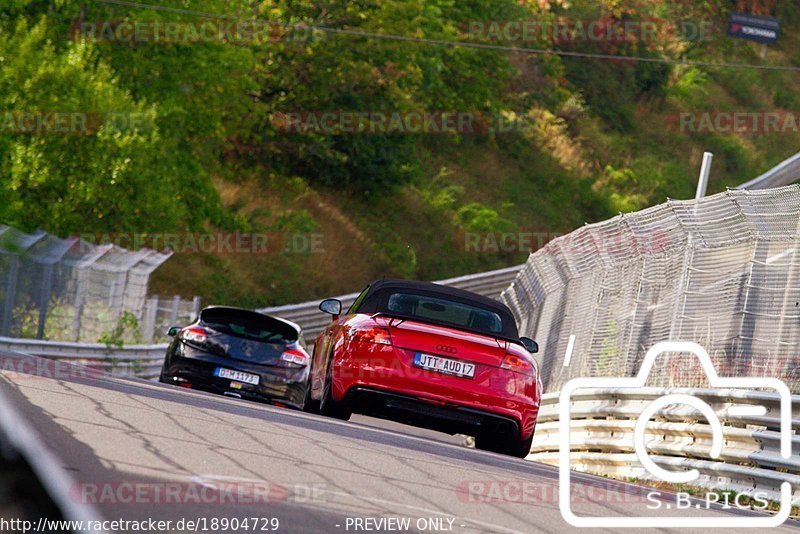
point(509, 445)
point(329, 407)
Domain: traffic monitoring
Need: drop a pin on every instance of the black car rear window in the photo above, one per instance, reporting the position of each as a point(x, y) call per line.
point(249, 324)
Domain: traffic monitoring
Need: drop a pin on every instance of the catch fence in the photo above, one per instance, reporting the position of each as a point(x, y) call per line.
point(722, 271)
point(72, 290)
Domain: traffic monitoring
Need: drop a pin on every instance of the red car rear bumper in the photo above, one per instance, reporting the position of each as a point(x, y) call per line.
point(492, 390)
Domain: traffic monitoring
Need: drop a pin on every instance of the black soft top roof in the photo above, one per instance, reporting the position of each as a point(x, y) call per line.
point(380, 288)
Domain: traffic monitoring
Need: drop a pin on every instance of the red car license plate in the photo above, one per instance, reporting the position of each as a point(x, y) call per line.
point(444, 365)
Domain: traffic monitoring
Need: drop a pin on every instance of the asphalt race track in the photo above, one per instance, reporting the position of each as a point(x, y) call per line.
point(314, 474)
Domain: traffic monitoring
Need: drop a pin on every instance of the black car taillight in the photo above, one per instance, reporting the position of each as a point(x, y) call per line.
point(194, 335)
point(294, 358)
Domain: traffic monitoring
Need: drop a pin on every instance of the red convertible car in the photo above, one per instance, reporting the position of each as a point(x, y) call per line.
point(431, 356)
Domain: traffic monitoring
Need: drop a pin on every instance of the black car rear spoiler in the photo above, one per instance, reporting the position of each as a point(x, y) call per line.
point(221, 314)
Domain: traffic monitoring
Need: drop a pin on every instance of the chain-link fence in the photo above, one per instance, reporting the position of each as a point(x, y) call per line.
point(72, 290)
point(721, 271)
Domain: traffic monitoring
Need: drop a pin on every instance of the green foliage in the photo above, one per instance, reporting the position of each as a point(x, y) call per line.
point(691, 87)
point(440, 195)
point(740, 85)
point(138, 156)
point(588, 137)
point(475, 217)
point(294, 221)
point(611, 89)
point(730, 153)
point(786, 98)
point(27, 319)
point(620, 185)
point(127, 328)
point(344, 73)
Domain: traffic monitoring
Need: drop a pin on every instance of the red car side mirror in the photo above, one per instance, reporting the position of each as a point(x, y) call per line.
point(331, 306)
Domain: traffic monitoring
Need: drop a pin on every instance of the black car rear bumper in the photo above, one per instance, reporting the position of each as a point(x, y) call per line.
point(419, 412)
point(272, 388)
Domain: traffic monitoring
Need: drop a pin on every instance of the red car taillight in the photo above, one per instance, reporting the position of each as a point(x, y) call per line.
point(373, 335)
point(194, 335)
point(512, 362)
point(295, 357)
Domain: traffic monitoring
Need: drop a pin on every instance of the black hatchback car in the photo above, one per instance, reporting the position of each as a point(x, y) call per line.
point(239, 353)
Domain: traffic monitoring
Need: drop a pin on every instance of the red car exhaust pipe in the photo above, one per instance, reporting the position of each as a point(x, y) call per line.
point(362, 400)
point(502, 428)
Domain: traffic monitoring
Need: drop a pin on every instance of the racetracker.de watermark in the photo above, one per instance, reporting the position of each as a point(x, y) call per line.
point(180, 493)
point(735, 122)
point(201, 490)
point(193, 31)
point(526, 241)
point(41, 122)
point(21, 367)
point(604, 29)
point(521, 491)
point(219, 243)
point(377, 122)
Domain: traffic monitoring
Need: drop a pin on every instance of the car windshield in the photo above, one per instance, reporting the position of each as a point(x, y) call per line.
point(445, 311)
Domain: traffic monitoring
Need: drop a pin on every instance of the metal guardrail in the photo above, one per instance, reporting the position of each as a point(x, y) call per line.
point(143, 361)
point(313, 321)
point(784, 173)
point(45, 479)
point(601, 438)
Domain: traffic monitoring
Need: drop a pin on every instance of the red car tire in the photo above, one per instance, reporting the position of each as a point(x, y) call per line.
point(511, 446)
point(328, 406)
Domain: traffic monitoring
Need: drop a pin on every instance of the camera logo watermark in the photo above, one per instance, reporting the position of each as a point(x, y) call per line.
point(639, 381)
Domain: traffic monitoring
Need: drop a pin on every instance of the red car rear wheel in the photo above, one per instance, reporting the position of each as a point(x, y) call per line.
point(329, 407)
point(509, 445)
